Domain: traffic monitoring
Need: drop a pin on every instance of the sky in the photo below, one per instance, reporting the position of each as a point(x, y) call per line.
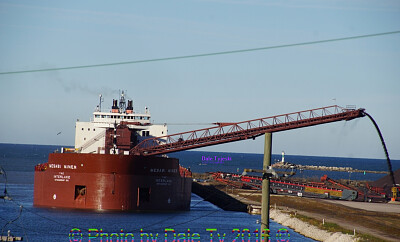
point(364, 72)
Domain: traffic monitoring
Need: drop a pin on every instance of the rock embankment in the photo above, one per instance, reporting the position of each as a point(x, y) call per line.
point(308, 230)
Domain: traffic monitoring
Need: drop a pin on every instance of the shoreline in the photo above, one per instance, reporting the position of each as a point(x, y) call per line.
point(367, 225)
point(228, 202)
point(308, 230)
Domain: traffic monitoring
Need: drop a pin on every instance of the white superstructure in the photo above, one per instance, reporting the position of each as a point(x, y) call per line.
point(93, 136)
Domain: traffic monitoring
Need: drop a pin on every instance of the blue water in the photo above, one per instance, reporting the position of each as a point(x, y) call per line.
point(39, 224)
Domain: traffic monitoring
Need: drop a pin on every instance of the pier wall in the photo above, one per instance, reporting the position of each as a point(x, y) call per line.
point(219, 198)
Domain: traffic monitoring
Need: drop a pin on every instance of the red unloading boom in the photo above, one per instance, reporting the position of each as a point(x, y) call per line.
point(230, 132)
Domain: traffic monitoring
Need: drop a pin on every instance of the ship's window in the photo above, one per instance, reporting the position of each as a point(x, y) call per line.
point(84, 138)
point(94, 129)
point(82, 128)
point(103, 116)
point(108, 116)
point(88, 129)
point(144, 194)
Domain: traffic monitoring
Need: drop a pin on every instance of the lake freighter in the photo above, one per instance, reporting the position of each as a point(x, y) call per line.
point(100, 173)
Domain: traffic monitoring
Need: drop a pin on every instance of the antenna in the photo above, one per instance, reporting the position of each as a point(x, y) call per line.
point(100, 101)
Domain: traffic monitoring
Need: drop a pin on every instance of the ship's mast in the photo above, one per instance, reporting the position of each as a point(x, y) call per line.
point(100, 101)
point(122, 103)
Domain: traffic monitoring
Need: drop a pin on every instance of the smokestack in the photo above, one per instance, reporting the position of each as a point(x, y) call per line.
point(129, 109)
point(114, 108)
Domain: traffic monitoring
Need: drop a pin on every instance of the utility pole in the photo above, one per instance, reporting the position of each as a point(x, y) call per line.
point(265, 185)
point(267, 173)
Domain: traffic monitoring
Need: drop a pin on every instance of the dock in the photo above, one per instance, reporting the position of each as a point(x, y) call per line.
point(332, 211)
point(209, 192)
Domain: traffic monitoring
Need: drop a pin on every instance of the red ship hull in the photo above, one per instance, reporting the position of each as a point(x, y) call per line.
point(112, 182)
